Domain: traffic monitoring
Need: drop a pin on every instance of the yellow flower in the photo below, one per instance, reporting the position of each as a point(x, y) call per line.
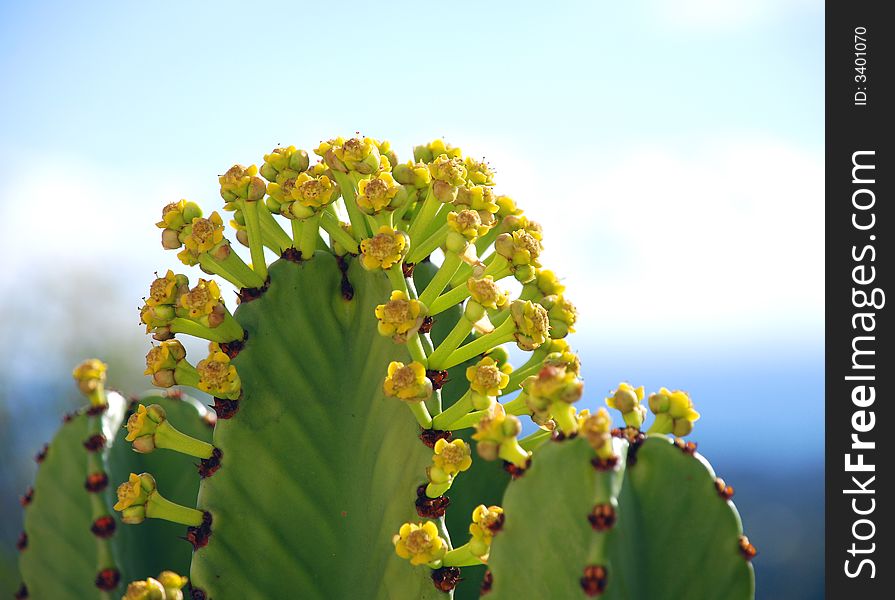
point(467, 223)
point(130, 493)
point(216, 375)
point(548, 284)
point(552, 384)
point(240, 182)
point(596, 428)
point(496, 426)
point(283, 164)
point(625, 398)
point(420, 543)
point(565, 358)
point(313, 191)
point(486, 378)
point(202, 299)
point(506, 207)
point(519, 247)
point(407, 382)
point(447, 169)
point(411, 173)
point(532, 324)
point(164, 357)
point(144, 421)
point(164, 290)
point(486, 520)
point(90, 375)
point(477, 198)
point(354, 150)
point(486, 292)
point(328, 145)
point(478, 172)
point(400, 317)
point(376, 194)
point(384, 250)
point(150, 589)
point(177, 214)
point(562, 314)
point(173, 583)
point(202, 235)
point(439, 146)
point(452, 457)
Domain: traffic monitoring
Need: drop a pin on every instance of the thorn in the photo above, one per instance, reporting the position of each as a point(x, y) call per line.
point(42, 454)
point(197, 594)
point(292, 255)
point(446, 578)
point(724, 490)
point(407, 269)
point(438, 378)
point(22, 542)
point(430, 436)
point(747, 549)
point(608, 464)
point(430, 508)
point(225, 409)
point(103, 527)
point(594, 581)
point(107, 579)
point(685, 447)
point(199, 536)
point(209, 466)
point(487, 583)
point(27, 497)
point(426, 327)
point(602, 517)
point(514, 471)
point(21, 593)
point(95, 442)
point(232, 349)
point(97, 410)
point(96, 482)
point(247, 295)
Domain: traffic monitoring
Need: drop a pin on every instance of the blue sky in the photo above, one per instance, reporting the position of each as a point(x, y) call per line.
point(673, 151)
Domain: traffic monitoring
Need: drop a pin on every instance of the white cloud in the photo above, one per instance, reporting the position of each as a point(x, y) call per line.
point(721, 241)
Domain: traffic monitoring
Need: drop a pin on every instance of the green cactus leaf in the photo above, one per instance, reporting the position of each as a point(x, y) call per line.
point(62, 557)
point(319, 468)
point(155, 545)
point(674, 536)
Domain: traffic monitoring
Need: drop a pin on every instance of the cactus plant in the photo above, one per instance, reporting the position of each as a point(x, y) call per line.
point(367, 428)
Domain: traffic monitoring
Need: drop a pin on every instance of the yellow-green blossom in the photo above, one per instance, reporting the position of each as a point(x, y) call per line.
point(241, 183)
point(167, 289)
point(377, 193)
point(202, 235)
point(532, 324)
point(313, 191)
point(486, 520)
point(596, 428)
point(148, 589)
point(177, 214)
point(419, 543)
point(478, 172)
point(407, 382)
point(449, 458)
point(487, 378)
point(676, 407)
point(411, 173)
point(467, 223)
point(384, 250)
point(162, 360)
point(202, 299)
point(486, 292)
point(519, 247)
point(562, 315)
point(216, 375)
point(90, 375)
point(401, 316)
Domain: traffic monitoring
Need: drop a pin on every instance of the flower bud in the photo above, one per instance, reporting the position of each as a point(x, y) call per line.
point(407, 382)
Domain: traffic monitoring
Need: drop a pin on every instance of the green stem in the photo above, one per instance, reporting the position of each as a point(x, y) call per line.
point(421, 413)
point(500, 335)
point(330, 223)
point(461, 557)
point(470, 420)
point(450, 343)
point(534, 441)
point(452, 262)
point(217, 334)
point(662, 424)
point(235, 265)
point(563, 415)
point(454, 412)
point(186, 374)
point(167, 436)
point(429, 245)
point(308, 242)
point(424, 216)
point(448, 299)
point(159, 507)
point(486, 240)
point(440, 219)
point(349, 196)
point(416, 350)
point(396, 278)
point(214, 267)
point(517, 406)
point(277, 239)
point(296, 232)
point(531, 367)
point(511, 451)
point(434, 490)
point(256, 242)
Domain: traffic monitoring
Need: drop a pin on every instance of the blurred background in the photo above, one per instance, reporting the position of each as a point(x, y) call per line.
point(673, 151)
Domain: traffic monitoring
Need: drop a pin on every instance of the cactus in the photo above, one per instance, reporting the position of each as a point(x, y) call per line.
point(367, 432)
